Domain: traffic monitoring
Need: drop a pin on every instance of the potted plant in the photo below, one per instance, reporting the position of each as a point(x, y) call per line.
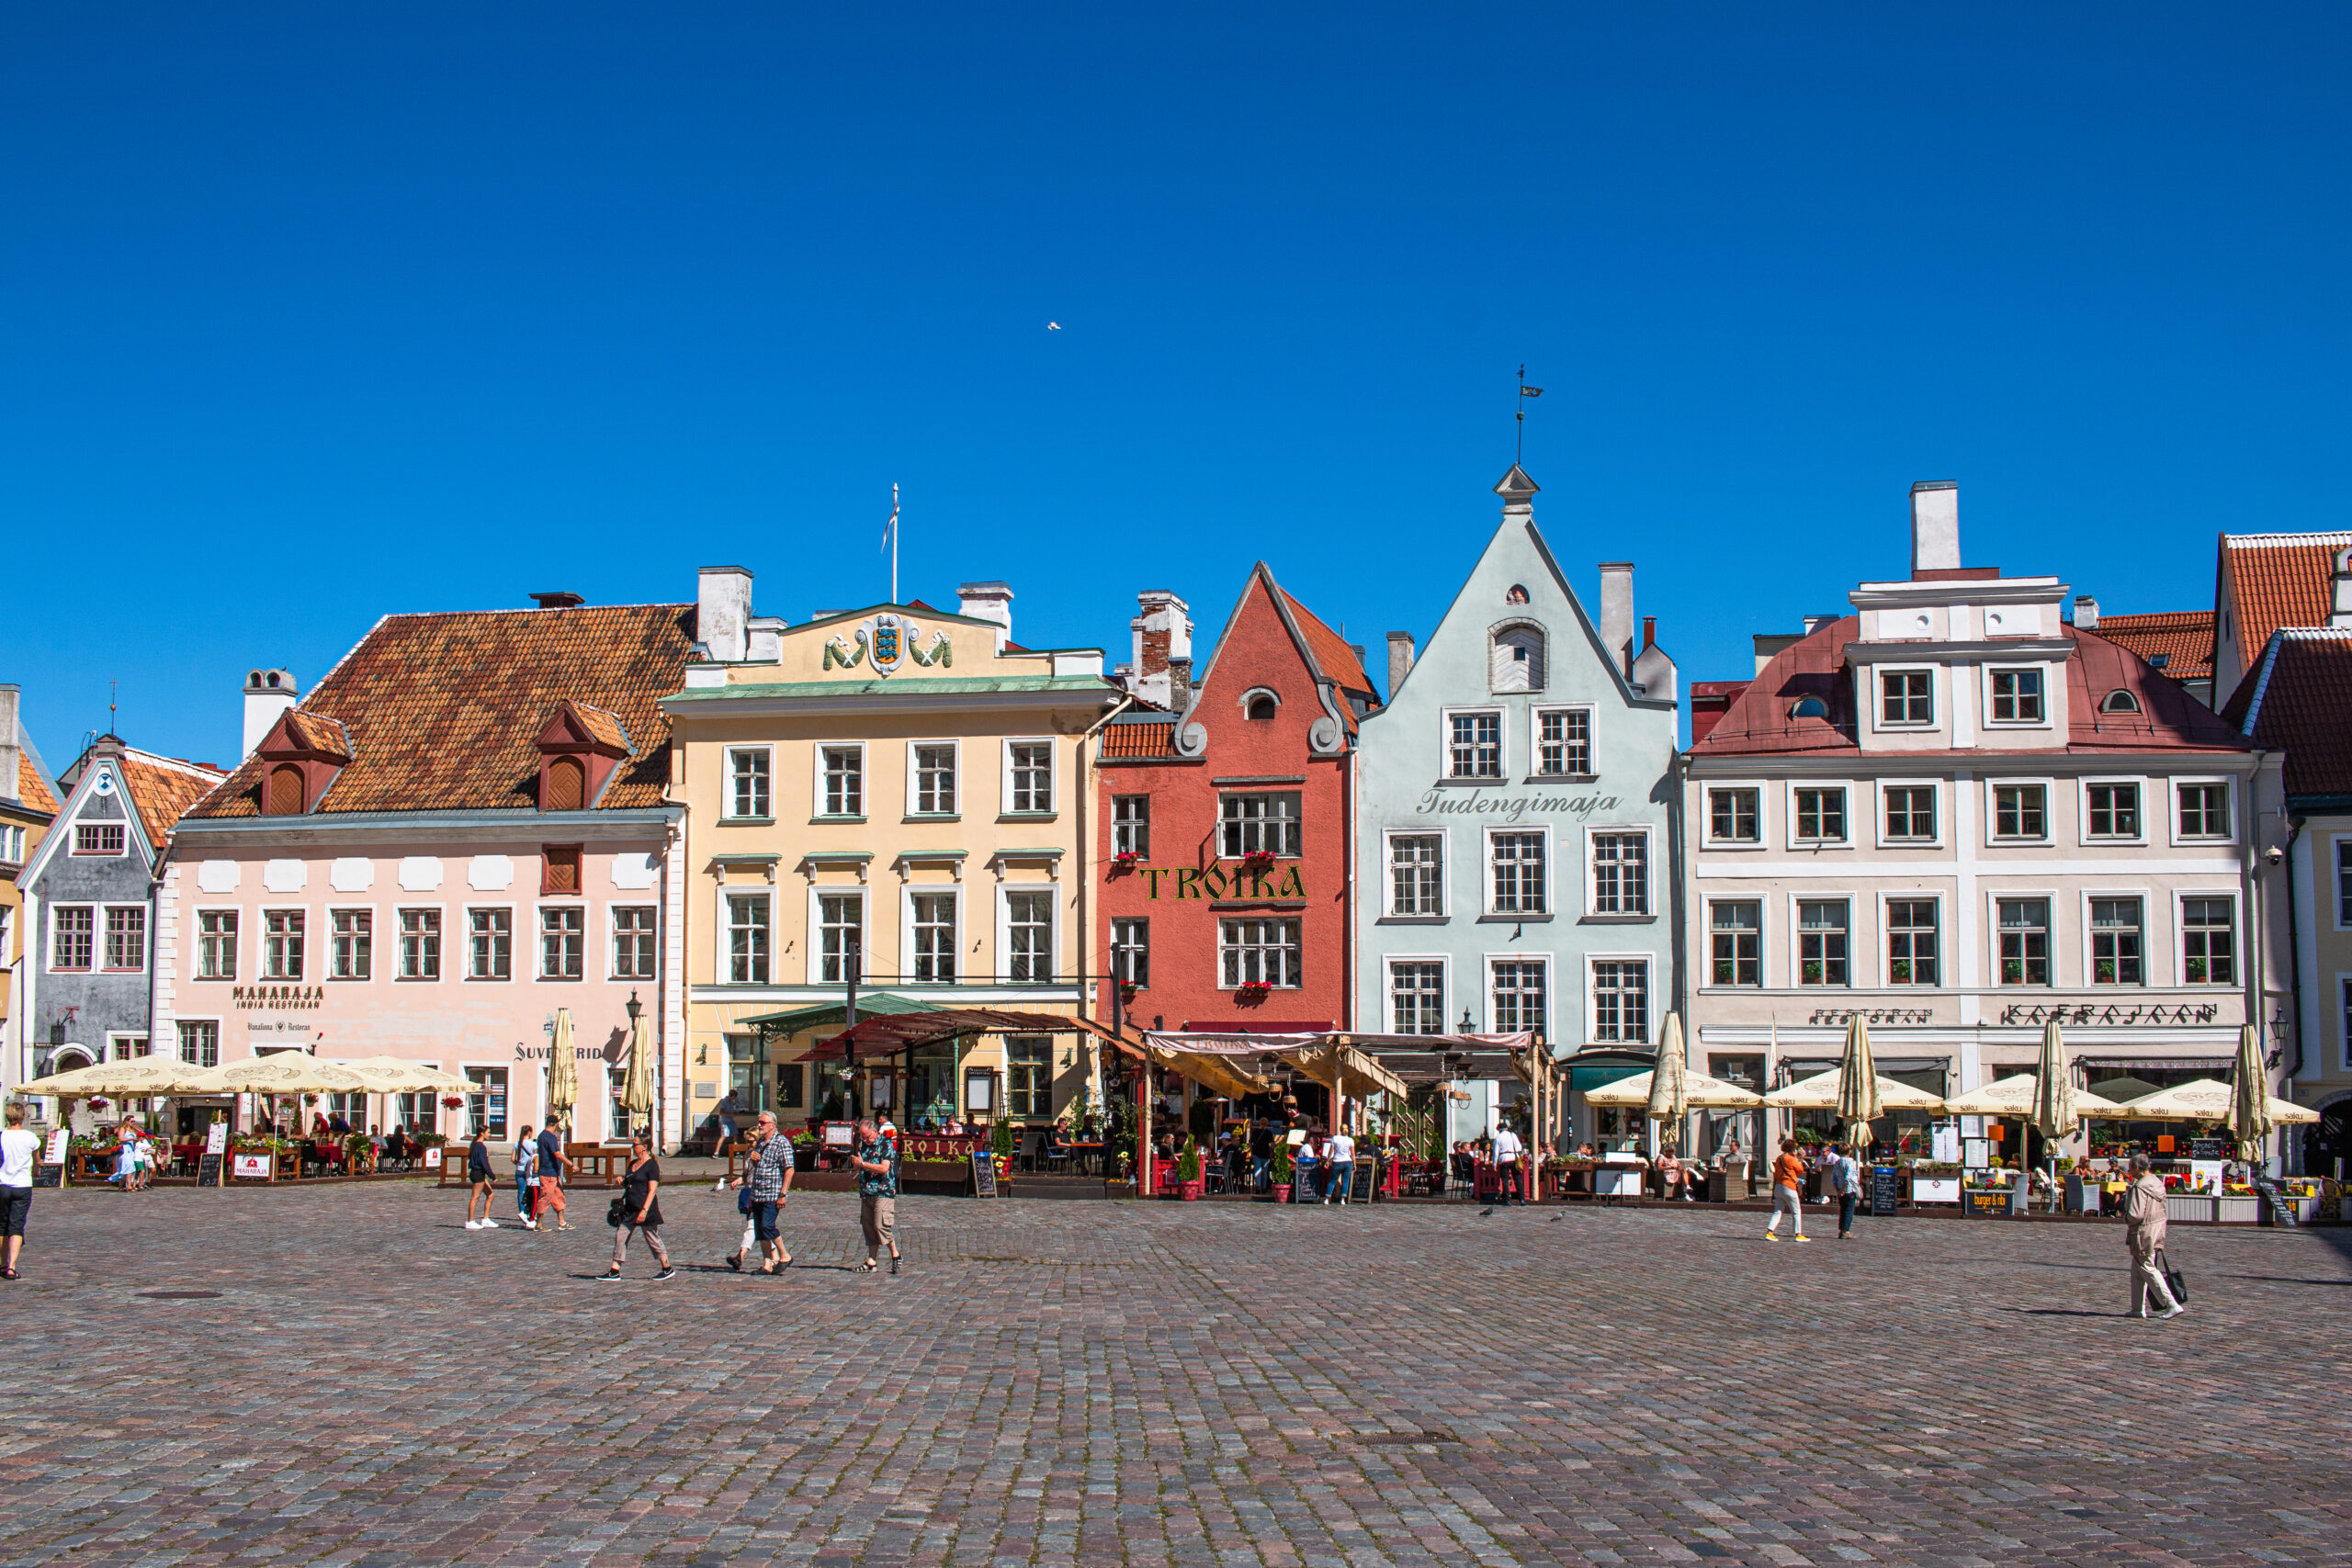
point(1281, 1172)
point(1252, 991)
point(1188, 1171)
point(1125, 860)
point(1002, 1141)
point(1258, 861)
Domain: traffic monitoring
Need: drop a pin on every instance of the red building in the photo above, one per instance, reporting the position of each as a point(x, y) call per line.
point(1224, 820)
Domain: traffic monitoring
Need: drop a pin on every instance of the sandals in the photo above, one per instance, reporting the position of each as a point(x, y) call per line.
point(769, 1269)
point(867, 1267)
point(735, 1261)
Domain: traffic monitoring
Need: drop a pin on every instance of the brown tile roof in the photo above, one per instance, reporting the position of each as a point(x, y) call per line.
point(2278, 579)
point(1330, 649)
point(603, 727)
point(1759, 721)
point(315, 732)
point(163, 787)
point(2296, 701)
point(1139, 740)
point(2185, 637)
point(444, 711)
point(31, 788)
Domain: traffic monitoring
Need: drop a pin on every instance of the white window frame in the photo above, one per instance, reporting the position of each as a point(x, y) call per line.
point(1122, 829)
point(146, 938)
point(1878, 814)
point(1707, 980)
point(1856, 955)
point(261, 944)
point(1444, 963)
point(2343, 1018)
point(375, 930)
point(914, 780)
point(196, 945)
point(1001, 970)
point(2082, 810)
point(1501, 716)
point(1882, 939)
point(1541, 960)
point(2049, 788)
point(2339, 874)
point(613, 942)
point(2147, 899)
point(2050, 691)
point(1651, 996)
point(2179, 944)
point(1757, 787)
point(2229, 807)
point(815, 946)
point(98, 938)
point(181, 1022)
point(1263, 918)
point(954, 894)
point(816, 801)
point(2053, 902)
point(1444, 872)
point(399, 935)
point(1279, 792)
point(466, 953)
point(540, 940)
point(727, 812)
point(1053, 778)
point(1879, 721)
point(1651, 889)
point(1796, 839)
point(1536, 714)
point(1548, 892)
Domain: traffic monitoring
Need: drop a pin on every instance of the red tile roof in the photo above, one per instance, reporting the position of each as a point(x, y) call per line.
point(1139, 740)
point(2278, 579)
point(31, 788)
point(2184, 636)
point(1330, 649)
point(2296, 700)
point(315, 732)
point(163, 787)
point(444, 711)
point(1760, 721)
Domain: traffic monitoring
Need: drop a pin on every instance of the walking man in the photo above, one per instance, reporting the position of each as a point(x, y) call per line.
point(482, 1182)
point(725, 1114)
point(19, 1149)
point(555, 1168)
point(1509, 1151)
point(877, 1163)
point(767, 1180)
point(2144, 1233)
point(1844, 1179)
point(1788, 1192)
point(526, 1178)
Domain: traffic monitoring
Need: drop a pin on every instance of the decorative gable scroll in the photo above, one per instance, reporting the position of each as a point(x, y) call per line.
point(580, 748)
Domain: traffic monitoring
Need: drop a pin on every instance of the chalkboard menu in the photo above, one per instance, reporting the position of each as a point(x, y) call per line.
point(1367, 1174)
point(47, 1175)
point(983, 1174)
point(208, 1170)
point(1987, 1204)
point(2209, 1148)
point(1302, 1184)
point(1881, 1189)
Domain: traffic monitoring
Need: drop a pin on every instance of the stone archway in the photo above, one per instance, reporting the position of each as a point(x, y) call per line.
point(68, 1057)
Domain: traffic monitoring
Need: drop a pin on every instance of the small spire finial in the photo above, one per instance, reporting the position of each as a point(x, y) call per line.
point(1519, 452)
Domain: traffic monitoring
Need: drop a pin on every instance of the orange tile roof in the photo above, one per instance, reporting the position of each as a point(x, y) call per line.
point(1139, 740)
point(602, 726)
point(444, 711)
point(2278, 579)
point(1330, 649)
point(2295, 700)
point(31, 788)
point(2185, 637)
point(163, 787)
point(315, 732)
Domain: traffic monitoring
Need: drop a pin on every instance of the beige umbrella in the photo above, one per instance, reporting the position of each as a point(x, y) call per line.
point(563, 1074)
point(2018, 1094)
point(1699, 1092)
point(392, 1075)
point(286, 1072)
point(2205, 1100)
point(637, 1084)
point(140, 1076)
point(1859, 1101)
point(2250, 1117)
point(2054, 1113)
point(1669, 1100)
point(1819, 1092)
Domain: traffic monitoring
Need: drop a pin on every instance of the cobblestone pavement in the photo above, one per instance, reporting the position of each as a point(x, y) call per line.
point(1210, 1385)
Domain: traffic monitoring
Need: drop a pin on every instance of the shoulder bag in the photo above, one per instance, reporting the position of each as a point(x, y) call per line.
point(2173, 1279)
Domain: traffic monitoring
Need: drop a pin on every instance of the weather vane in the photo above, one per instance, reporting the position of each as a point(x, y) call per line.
point(1525, 391)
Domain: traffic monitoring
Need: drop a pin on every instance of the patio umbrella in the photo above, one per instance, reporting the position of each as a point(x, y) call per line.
point(637, 1086)
point(287, 1072)
point(392, 1075)
point(1859, 1101)
point(1670, 1097)
point(2018, 1094)
point(563, 1074)
point(2205, 1100)
point(1699, 1092)
point(2054, 1114)
point(2250, 1117)
point(1819, 1092)
point(140, 1076)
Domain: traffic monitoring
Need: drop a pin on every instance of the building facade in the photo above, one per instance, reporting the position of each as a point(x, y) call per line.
point(27, 806)
point(486, 791)
point(92, 934)
point(1515, 835)
point(896, 794)
point(1958, 817)
point(1223, 829)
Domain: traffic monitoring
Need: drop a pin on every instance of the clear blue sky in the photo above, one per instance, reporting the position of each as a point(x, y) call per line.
point(309, 313)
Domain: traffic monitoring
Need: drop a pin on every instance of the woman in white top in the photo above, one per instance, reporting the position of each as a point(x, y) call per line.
point(17, 1148)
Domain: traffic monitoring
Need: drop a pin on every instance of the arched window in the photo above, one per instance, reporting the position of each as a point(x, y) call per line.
point(1516, 664)
point(1260, 704)
point(567, 786)
point(2119, 701)
point(1809, 707)
point(285, 791)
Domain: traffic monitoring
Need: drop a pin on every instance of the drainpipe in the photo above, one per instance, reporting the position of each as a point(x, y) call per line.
point(2294, 949)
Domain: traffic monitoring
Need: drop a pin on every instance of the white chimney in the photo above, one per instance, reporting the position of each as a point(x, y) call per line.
point(723, 612)
point(2341, 615)
point(1400, 660)
point(1617, 614)
point(1934, 526)
point(11, 750)
point(268, 693)
point(1162, 630)
point(2086, 612)
point(989, 602)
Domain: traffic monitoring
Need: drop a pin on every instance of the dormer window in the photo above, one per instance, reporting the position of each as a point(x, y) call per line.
point(579, 749)
point(1517, 662)
point(2119, 701)
point(1809, 707)
point(286, 790)
point(567, 784)
point(300, 757)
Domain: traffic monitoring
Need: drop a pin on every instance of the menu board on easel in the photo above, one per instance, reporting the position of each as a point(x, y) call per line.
point(49, 1170)
point(1881, 1189)
point(216, 1149)
point(983, 1174)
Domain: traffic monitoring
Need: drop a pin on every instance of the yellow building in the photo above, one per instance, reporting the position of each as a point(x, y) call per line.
point(896, 793)
point(27, 804)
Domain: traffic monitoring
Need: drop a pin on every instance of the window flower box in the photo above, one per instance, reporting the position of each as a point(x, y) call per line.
point(1253, 991)
point(1257, 860)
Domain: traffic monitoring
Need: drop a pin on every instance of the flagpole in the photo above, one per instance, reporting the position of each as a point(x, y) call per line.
point(894, 541)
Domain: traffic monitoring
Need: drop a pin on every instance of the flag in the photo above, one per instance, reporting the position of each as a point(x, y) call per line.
point(891, 529)
point(1530, 391)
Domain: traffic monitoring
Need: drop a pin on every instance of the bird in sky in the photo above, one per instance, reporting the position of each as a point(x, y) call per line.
point(1052, 326)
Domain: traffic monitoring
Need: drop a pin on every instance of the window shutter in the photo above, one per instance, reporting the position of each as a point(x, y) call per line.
point(285, 791)
point(560, 869)
point(567, 786)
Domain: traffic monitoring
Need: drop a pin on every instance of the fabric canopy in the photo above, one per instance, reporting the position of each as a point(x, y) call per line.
point(1699, 1092)
point(1820, 1093)
point(2017, 1096)
point(881, 1036)
point(2205, 1100)
point(2250, 1118)
point(140, 1076)
point(392, 1075)
point(1858, 1101)
point(286, 1072)
point(563, 1072)
point(828, 1015)
point(1670, 1097)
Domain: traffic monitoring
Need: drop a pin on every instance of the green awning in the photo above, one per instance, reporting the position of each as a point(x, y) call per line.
point(1597, 1069)
point(831, 1015)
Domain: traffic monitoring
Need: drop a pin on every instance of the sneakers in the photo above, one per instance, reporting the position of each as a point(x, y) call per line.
point(735, 1261)
point(530, 1224)
point(490, 1224)
point(1801, 1236)
point(1771, 1236)
point(610, 1275)
point(2172, 1311)
point(473, 1225)
point(668, 1272)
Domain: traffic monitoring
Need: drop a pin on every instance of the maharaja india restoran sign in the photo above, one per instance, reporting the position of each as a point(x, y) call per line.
point(274, 997)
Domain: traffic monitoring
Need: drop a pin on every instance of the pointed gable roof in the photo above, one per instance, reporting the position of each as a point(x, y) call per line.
point(32, 789)
point(2296, 700)
point(308, 733)
point(163, 788)
point(2278, 579)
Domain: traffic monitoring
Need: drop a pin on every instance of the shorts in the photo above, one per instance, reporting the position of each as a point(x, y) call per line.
point(764, 1223)
point(877, 1215)
point(15, 1203)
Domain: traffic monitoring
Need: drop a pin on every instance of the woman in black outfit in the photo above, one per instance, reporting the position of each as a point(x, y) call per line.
point(640, 1207)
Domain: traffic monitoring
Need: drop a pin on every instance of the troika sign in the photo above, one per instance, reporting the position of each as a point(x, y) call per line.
point(1215, 882)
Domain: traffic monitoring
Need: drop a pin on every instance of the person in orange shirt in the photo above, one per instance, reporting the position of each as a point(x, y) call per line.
point(1788, 1189)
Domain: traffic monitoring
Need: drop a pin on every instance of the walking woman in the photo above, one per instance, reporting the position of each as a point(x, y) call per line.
point(640, 1207)
point(18, 1150)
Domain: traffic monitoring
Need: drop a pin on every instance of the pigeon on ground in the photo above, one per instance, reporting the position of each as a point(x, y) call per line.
point(1484, 1213)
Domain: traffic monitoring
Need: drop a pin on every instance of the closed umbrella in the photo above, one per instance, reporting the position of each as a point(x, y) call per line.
point(1859, 1101)
point(1670, 1097)
point(636, 1085)
point(563, 1076)
point(2250, 1116)
point(2055, 1115)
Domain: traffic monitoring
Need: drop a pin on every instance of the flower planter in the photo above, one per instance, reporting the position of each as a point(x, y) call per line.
point(1190, 1191)
point(1282, 1194)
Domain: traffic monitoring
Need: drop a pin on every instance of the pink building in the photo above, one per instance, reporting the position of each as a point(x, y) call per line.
point(461, 831)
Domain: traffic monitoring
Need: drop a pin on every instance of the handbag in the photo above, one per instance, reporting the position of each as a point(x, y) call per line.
point(614, 1212)
point(2173, 1280)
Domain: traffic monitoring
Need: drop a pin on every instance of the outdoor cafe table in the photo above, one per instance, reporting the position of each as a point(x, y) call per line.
point(609, 1161)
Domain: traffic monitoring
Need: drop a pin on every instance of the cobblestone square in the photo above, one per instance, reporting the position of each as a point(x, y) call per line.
point(1196, 1384)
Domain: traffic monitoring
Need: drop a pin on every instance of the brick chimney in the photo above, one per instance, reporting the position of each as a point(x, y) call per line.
point(989, 602)
point(2086, 612)
point(1400, 660)
point(723, 612)
point(11, 750)
point(1161, 671)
